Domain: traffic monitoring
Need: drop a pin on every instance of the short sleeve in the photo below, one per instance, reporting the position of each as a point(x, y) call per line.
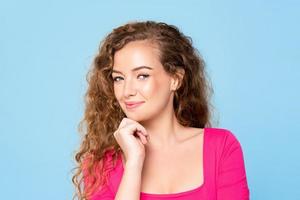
point(232, 181)
point(102, 193)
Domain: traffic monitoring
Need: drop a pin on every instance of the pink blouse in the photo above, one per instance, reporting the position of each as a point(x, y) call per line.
point(223, 173)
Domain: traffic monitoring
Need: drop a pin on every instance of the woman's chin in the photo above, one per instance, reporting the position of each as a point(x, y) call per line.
point(135, 117)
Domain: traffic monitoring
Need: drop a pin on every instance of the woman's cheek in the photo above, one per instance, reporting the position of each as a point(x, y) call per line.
point(148, 89)
point(118, 92)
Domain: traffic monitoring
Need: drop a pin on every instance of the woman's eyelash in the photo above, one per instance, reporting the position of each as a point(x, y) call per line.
point(145, 75)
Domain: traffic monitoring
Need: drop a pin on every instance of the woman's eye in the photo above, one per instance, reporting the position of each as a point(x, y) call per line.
point(144, 75)
point(115, 79)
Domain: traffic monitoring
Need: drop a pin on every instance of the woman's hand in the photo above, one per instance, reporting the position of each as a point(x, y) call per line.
point(132, 136)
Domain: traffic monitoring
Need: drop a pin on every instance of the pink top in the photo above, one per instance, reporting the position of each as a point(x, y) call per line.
point(223, 170)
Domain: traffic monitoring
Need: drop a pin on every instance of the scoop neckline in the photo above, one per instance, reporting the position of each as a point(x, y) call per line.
point(187, 191)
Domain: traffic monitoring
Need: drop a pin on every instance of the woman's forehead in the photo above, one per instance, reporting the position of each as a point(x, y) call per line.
point(135, 56)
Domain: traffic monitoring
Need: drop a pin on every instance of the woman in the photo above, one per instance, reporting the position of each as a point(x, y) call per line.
point(148, 132)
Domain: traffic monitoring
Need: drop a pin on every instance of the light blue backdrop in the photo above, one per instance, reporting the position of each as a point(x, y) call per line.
point(252, 53)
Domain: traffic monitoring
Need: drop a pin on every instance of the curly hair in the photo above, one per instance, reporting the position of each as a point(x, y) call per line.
point(103, 113)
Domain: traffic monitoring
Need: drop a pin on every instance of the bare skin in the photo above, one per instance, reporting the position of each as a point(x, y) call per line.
point(170, 170)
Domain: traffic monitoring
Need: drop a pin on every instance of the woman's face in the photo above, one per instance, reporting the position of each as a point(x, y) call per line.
point(139, 77)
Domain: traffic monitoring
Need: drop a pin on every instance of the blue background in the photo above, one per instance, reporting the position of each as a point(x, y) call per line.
point(46, 47)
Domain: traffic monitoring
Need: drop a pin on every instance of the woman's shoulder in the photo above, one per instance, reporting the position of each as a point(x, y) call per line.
point(226, 157)
point(219, 133)
point(220, 137)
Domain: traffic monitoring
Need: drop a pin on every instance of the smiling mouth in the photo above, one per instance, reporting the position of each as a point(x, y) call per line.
point(132, 106)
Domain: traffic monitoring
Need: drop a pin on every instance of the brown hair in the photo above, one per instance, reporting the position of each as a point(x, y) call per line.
point(102, 112)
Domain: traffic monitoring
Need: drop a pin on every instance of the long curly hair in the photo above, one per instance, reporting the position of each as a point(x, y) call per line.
point(103, 113)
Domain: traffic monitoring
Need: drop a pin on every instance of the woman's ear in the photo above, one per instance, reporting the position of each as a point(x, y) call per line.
point(177, 79)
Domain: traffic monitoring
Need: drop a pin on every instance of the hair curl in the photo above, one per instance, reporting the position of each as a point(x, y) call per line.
point(103, 114)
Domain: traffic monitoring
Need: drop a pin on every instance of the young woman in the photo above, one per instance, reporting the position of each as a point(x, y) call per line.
point(147, 121)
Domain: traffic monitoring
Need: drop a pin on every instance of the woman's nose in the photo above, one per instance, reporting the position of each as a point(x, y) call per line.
point(129, 88)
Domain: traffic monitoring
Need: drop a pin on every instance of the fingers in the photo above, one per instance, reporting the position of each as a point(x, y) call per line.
point(132, 127)
point(123, 123)
point(138, 126)
point(142, 137)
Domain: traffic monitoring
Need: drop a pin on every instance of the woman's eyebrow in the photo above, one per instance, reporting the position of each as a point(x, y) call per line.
point(134, 69)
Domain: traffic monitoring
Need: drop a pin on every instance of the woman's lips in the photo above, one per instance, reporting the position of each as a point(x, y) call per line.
point(135, 105)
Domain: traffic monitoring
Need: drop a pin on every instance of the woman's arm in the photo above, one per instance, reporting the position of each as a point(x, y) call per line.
point(130, 185)
point(232, 181)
